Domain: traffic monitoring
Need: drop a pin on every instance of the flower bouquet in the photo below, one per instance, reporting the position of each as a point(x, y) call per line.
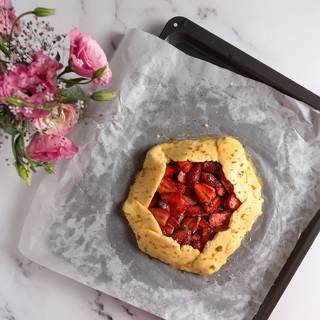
point(40, 96)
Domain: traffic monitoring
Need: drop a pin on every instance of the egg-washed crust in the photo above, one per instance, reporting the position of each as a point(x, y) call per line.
point(238, 169)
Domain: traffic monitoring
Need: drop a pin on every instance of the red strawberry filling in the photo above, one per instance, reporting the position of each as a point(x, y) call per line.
point(193, 202)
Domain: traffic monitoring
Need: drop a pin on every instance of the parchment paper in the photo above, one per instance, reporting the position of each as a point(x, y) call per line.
point(76, 227)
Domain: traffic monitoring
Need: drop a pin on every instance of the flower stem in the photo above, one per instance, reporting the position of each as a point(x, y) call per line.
point(13, 26)
point(86, 82)
point(13, 147)
point(67, 69)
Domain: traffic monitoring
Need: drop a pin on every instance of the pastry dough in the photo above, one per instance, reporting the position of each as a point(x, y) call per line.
point(238, 169)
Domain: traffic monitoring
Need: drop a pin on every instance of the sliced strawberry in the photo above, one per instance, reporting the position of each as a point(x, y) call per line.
point(194, 174)
point(210, 180)
point(182, 177)
point(221, 191)
point(153, 202)
point(178, 207)
point(192, 223)
point(163, 204)
point(204, 227)
point(178, 215)
point(196, 200)
point(204, 192)
point(161, 215)
point(226, 183)
point(185, 166)
point(195, 237)
point(164, 232)
point(213, 206)
point(180, 210)
point(218, 220)
point(205, 231)
point(173, 221)
point(189, 190)
point(206, 238)
point(167, 185)
point(168, 230)
point(181, 188)
point(182, 235)
point(211, 166)
point(173, 199)
point(170, 171)
point(196, 244)
point(195, 211)
point(190, 199)
point(231, 202)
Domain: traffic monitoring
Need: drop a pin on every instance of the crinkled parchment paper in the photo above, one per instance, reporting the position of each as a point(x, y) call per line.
point(76, 227)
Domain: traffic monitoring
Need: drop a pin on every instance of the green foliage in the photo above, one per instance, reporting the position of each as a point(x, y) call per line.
point(73, 95)
point(7, 121)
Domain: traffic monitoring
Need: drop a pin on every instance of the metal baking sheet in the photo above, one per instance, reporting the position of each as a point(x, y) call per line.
point(195, 41)
point(200, 43)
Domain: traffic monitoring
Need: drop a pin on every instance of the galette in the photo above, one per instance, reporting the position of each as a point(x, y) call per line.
point(193, 202)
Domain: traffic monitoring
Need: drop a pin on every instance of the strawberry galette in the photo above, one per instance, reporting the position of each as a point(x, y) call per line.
point(193, 202)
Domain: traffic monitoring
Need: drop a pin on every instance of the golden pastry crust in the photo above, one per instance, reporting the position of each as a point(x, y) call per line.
point(237, 168)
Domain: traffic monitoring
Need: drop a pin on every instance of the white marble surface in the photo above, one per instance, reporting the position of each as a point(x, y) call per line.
point(283, 34)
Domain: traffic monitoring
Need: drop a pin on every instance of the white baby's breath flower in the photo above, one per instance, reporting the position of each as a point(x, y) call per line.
point(80, 104)
point(28, 110)
point(79, 62)
point(39, 88)
point(61, 85)
point(14, 109)
point(49, 96)
point(11, 66)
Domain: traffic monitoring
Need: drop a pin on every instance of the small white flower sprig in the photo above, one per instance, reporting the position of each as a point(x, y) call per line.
point(36, 98)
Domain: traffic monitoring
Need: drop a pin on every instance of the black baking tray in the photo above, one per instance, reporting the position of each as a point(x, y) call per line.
point(200, 43)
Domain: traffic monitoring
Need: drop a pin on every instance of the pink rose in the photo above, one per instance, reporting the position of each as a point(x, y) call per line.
point(86, 57)
point(58, 121)
point(32, 83)
point(7, 17)
point(51, 148)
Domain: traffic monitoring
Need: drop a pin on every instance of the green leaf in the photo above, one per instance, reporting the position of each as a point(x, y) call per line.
point(73, 95)
point(50, 106)
point(75, 91)
point(48, 167)
point(8, 128)
point(3, 48)
point(20, 148)
point(69, 100)
point(3, 67)
point(15, 101)
point(8, 122)
point(74, 81)
point(24, 172)
point(24, 164)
